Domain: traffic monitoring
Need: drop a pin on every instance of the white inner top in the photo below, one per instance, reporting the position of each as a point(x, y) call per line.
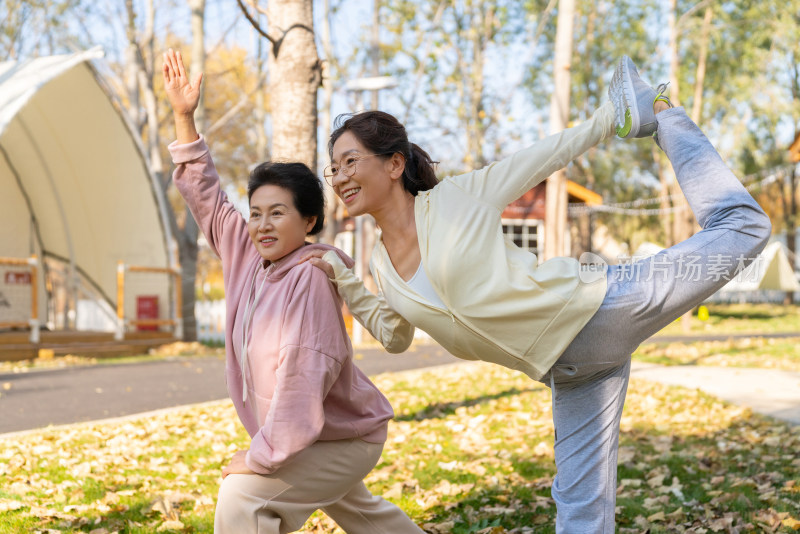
point(420, 283)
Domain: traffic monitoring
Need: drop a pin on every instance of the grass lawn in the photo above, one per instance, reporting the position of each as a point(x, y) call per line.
point(769, 353)
point(740, 319)
point(470, 451)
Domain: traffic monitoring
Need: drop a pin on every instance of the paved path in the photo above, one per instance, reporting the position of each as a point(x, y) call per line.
point(39, 398)
point(77, 394)
point(767, 391)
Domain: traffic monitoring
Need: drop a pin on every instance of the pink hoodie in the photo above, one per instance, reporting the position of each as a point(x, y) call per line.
point(301, 384)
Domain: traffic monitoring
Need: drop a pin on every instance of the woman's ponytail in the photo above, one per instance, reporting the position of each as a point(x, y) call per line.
point(420, 173)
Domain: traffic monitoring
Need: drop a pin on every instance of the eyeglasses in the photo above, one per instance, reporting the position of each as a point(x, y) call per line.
point(347, 167)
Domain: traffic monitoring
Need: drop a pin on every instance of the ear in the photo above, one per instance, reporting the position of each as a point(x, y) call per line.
point(396, 165)
point(311, 221)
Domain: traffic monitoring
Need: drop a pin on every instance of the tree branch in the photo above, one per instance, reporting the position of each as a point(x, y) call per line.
point(231, 113)
point(256, 25)
point(276, 44)
point(690, 11)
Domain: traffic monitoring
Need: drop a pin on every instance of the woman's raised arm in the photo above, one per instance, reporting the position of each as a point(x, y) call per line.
point(195, 175)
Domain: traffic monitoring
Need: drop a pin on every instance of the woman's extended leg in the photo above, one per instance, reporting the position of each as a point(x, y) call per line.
point(646, 295)
point(589, 380)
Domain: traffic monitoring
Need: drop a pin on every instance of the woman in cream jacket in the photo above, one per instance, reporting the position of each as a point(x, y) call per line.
point(443, 264)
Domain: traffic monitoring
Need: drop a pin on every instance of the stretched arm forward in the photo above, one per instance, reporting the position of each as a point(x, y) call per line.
point(372, 311)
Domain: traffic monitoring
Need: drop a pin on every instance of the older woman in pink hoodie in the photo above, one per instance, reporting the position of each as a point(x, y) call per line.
point(316, 422)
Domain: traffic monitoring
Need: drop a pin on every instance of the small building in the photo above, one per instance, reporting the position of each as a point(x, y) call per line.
point(523, 219)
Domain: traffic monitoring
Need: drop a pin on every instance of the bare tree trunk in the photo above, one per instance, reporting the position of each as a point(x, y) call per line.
point(476, 136)
point(790, 218)
point(674, 81)
point(332, 208)
point(260, 108)
point(187, 238)
point(680, 229)
point(683, 219)
point(132, 69)
point(141, 58)
point(146, 62)
point(198, 8)
point(585, 219)
point(697, 105)
point(556, 188)
point(474, 30)
point(425, 43)
point(295, 75)
point(791, 214)
point(375, 47)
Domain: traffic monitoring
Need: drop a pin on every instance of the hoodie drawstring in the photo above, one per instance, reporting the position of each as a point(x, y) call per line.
point(249, 310)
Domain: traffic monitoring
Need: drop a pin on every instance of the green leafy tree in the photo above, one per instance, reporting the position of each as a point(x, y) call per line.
point(773, 64)
point(445, 54)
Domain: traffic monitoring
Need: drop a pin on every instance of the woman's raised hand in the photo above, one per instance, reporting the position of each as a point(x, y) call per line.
point(183, 95)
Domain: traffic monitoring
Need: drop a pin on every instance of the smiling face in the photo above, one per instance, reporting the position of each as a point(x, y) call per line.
point(372, 179)
point(275, 226)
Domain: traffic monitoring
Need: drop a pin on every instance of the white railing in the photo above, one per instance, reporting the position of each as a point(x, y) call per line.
point(210, 316)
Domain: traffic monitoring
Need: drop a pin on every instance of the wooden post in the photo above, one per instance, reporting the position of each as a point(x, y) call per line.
point(120, 333)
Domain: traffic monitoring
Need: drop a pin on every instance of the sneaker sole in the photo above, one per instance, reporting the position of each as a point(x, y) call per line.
point(624, 97)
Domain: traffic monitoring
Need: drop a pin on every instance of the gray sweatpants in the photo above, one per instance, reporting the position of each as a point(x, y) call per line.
point(590, 379)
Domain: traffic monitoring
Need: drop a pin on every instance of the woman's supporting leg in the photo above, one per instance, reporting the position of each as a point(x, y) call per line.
point(361, 512)
point(586, 416)
point(319, 477)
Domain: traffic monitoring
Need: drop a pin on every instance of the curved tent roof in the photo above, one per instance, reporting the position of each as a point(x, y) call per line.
point(771, 271)
point(74, 184)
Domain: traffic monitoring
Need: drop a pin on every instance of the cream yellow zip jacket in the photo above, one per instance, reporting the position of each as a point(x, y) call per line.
point(502, 306)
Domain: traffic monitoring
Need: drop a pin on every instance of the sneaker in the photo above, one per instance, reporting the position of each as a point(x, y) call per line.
point(633, 101)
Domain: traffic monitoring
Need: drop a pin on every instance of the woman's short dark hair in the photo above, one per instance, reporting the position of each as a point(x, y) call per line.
point(305, 187)
point(383, 134)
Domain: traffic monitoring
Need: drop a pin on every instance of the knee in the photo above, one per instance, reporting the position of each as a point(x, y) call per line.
point(759, 230)
point(234, 508)
point(757, 227)
point(765, 230)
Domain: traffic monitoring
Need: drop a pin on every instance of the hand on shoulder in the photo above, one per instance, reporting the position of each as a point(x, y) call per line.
point(314, 257)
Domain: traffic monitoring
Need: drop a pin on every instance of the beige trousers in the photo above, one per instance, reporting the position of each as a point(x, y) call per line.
point(328, 475)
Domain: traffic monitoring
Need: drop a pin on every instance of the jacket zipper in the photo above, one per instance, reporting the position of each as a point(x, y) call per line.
point(463, 325)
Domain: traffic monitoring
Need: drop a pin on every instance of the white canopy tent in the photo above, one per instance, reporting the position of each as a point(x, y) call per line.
point(771, 271)
point(75, 188)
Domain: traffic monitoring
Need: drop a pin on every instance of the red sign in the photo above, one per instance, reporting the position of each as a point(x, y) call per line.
point(147, 308)
point(14, 278)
